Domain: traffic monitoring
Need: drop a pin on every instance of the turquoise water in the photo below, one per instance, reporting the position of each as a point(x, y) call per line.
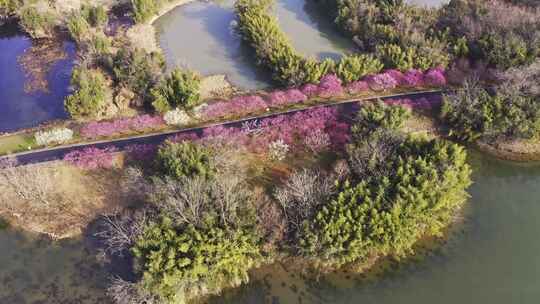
point(202, 36)
point(495, 258)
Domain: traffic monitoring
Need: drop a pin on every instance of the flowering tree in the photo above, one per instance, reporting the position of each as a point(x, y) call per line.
point(413, 78)
point(92, 158)
point(380, 82)
point(57, 135)
point(330, 86)
point(435, 77)
point(176, 117)
point(141, 123)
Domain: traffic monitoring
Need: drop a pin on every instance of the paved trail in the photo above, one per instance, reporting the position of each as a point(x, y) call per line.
point(55, 153)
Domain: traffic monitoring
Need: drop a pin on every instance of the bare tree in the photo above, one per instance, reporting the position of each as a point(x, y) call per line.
point(33, 184)
point(302, 193)
point(124, 292)
point(121, 230)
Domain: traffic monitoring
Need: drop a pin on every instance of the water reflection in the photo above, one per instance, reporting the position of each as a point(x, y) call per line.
point(20, 108)
point(37, 270)
point(495, 259)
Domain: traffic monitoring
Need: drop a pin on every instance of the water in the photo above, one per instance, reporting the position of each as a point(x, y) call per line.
point(36, 270)
point(496, 258)
point(211, 45)
point(21, 109)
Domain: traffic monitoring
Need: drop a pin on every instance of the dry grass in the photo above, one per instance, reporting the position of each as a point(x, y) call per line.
point(57, 199)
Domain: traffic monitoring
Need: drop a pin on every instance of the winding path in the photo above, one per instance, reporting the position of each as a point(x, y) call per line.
point(56, 153)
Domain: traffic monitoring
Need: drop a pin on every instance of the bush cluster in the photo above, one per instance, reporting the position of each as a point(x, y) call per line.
point(90, 93)
point(397, 190)
point(184, 159)
point(275, 51)
point(138, 71)
point(37, 23)
point(508, 113)
point(503, 34)
point(179, 89)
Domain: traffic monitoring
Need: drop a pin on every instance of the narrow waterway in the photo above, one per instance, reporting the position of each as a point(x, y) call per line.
point(30, 98)
point(202, 36)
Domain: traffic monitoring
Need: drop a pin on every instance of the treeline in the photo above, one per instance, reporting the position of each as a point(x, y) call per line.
point(275, 52)
point(510, 110)
point(206, 221)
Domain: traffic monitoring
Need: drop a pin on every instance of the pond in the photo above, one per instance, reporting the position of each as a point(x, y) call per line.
point(211, 45)
point(495, 258)
point(30, 98)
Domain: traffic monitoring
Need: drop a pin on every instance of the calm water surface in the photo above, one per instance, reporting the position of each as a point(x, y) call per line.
point(201, 36)
point(20, 109)
point(496, 258)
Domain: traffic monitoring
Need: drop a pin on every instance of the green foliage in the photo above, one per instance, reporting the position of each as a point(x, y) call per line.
point(90, 93)
point(401, 35)
point(422, 187)
point(37, 24)
point(180, 263)
point(143, 10)
point(137, 70)
point(473, 113)
point(507, 50)
point(78, 27)
point(10, 7)
point(393, 56)
point(185, 159)
point(377, 115)
point(179, 89)
point(354, 67)
point(272, 47)
point(96, 16)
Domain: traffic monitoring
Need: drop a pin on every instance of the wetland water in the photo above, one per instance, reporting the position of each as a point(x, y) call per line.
point(495, 258)
point(23, 109)
point(201, 36)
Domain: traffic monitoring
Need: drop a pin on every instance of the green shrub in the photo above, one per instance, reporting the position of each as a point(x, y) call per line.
point(422, 186)
point(185, 159)
point(78, 27)
point(90, 93)
point(180, 263)
point(507, 50)
point(273, 49)
point(353, 67)
point(145, 9)
point(179, 89)
point(37, 24)
point(96, 16)
point(378, 115)
point(9, 7)
point(138, 70)
point(473, 113)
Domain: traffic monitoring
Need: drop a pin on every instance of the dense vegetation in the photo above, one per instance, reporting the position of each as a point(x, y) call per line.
point(402, 36)
point(275, 51)
point(396, 190)
point(178, 89)
point(185, 159)
point(511, 110)
point(90, 93)
point(205, 223)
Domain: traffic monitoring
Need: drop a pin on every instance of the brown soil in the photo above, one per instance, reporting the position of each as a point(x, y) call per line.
point(74, 198)
point(515, 150)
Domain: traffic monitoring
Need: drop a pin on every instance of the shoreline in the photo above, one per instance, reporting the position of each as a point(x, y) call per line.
point(516, 150)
